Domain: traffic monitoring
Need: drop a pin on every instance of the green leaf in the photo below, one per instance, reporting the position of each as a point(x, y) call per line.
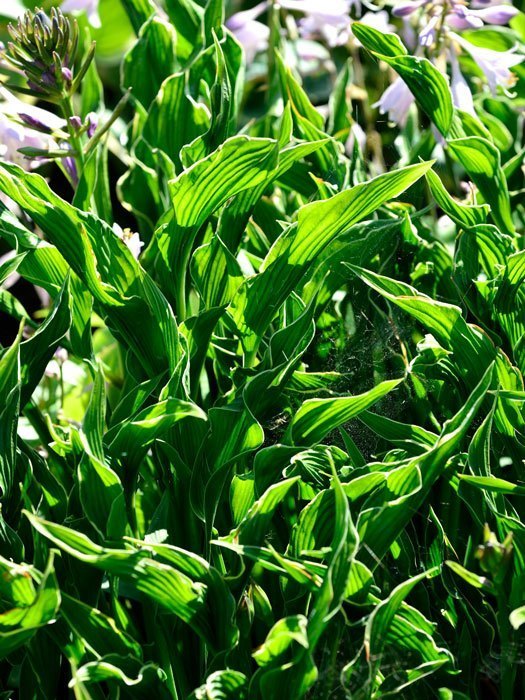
point(517, 617)
point(382, 617)
point(172, 589)
point(10, 375)
point(493, 484)
point(378, 526)
point(138, 11)
point(482, 162)
point(287, 666)
point(471, 578)
point(463, 215)
point(239, 163)
point(134, 436)
point(105, 265)
point(379, 42)
point(318, 417)
point(98, 631)
point(473, 350)
point(223, 685)
point(150, 60)
point(426, 82)
point(174, 103)
point(19, 624)
point(294, 252)
point(252, 529)
point(37, 351)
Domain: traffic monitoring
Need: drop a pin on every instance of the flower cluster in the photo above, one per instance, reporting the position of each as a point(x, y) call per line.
point(453, 14)
point(44, 47)
point(437, 23)
point(325, 20)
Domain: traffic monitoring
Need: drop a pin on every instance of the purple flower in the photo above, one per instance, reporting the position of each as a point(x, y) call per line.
point(75, 122)
point(396, 102)
point(70, 167)
point(90, 7)
point(495, 65)
point(252, 35)
point(92, 123)
point(33, 123)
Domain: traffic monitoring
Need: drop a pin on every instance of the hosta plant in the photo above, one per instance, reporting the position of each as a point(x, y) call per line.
point(262, 421)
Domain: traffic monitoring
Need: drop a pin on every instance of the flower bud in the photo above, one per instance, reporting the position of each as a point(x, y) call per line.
point(92, 123)
point(43, 47)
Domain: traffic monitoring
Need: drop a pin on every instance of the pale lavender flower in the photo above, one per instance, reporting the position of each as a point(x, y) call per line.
point(427, 36)
point(396, 102)
point(308, 57)
point(328, 20)
point(90, 7)
point(252, 35)
point(495, 65)
point(14, 135)
point(405, 9)
point(461, 94)
point(462, 18)
point(476, 4)
point(496, 14)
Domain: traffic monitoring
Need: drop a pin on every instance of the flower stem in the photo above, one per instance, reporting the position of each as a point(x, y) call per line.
point(75, 140)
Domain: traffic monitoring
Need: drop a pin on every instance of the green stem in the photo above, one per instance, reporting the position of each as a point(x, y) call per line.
point(75, 140)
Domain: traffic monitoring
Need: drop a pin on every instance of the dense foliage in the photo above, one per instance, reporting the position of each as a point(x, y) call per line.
point(262, 409)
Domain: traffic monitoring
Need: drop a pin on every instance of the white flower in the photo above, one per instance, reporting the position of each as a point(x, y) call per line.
point(356, 137)
point(132, 240)
point(495, 65)
point(90, 7)
point(461, 94)
point(427, 35)
point(396, 102)
point(252, 35)
point(378, 20)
